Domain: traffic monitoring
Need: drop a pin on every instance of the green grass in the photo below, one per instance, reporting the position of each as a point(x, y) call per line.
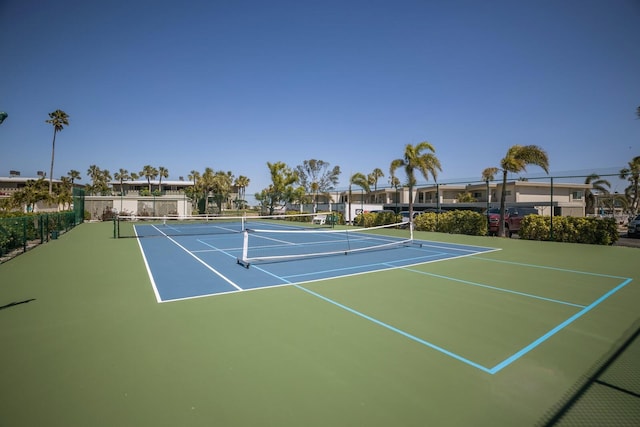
point(93, 347)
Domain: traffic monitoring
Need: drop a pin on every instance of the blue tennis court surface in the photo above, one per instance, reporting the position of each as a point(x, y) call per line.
point(191, 266)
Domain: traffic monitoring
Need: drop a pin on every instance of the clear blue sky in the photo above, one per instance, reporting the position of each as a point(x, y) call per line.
point(233, 84)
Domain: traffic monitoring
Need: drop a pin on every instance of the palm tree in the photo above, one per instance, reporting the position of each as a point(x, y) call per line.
point(414, 158)
point(394, 181)
point(62, 192)
point(517, 159)
point(94, 173)
point(59, 119)
point(73, 175)
point(194, 192)
point(162, 173)
point(598, 184)
point(149, 172)
point(361, 181)
point(632, 174)
point(241, 183)
point(122, 176)
point(489, 175)
point(373, 180)
point(221, 187)
point(207, 183)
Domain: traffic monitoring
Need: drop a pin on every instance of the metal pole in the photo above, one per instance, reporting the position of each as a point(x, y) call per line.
point(487, 181)
point(552, 213)
point(437, 205)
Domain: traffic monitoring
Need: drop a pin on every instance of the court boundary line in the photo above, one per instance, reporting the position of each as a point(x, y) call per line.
point(389, 266)
point(216, 272)
point(490, 370)
point(499, 366)
point(149, 273)
point(495, 288)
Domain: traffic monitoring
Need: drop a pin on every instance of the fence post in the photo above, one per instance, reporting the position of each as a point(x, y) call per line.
point(552, 212)
point(24, 234)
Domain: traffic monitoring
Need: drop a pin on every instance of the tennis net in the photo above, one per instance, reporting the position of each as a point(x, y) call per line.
point(146, 226)
point(268, 245)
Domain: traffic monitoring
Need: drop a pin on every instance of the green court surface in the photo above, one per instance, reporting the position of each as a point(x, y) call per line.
point(535, 333)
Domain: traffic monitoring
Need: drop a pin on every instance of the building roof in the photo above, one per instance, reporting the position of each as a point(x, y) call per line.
point(24, 179)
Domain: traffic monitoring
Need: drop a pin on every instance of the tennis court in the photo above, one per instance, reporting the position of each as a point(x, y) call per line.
point(206, 258)
point(441, 330)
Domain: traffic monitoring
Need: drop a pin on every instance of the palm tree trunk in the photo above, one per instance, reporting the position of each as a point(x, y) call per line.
point(503, 195)
point(53, 151)
point(410, 203)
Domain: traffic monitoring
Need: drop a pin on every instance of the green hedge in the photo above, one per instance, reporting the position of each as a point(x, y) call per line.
point(17, 230)
point(369, 219)
point(598, 231)
point(455, 222)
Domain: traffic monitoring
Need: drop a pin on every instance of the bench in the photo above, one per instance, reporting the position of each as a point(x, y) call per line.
point(319, 219)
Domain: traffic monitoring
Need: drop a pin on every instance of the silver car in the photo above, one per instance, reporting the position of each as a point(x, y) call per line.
point(633, 229)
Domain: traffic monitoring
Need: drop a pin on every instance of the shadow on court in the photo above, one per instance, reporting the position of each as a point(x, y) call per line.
point(13, 304)
point(610, 393)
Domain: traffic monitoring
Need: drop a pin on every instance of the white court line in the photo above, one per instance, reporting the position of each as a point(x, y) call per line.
point(222, 276)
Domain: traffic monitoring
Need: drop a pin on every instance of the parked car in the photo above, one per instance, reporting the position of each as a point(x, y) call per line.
point(633, 228)
point(405, 217)
point(512, 218)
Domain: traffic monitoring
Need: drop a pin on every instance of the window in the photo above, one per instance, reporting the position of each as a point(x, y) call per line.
point(576, 195)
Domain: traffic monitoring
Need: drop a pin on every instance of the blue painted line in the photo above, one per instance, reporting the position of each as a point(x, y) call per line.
point(271, 274)
point(466, 282)
point(396, 330)
point(550, 268)
point(508, 361)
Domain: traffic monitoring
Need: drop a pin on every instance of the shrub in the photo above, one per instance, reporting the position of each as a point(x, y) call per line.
point(455, 222)
point(534, 227)
point(373, 219)
point(426, 222)
point(598, 231)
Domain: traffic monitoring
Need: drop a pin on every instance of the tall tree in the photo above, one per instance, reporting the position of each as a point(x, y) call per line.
point(316, 177)
point(241, 183)
point(517, 159)
point(632, 175)
point(281, 189)
point(99, 180)
point(421, 157)
point(206, 183)
point(361, 181)
point(94, 173)
point(373, 180)
point(149, 172)
point(600, 185)
point(221, 187)
point(121, 176)
point(73, 175)
point(33, 192)
point(62, 192)
point(194, 193)
point(162, 173)
point(58, 119)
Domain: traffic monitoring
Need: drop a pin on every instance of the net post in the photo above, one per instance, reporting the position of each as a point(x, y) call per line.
point(245, 250)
